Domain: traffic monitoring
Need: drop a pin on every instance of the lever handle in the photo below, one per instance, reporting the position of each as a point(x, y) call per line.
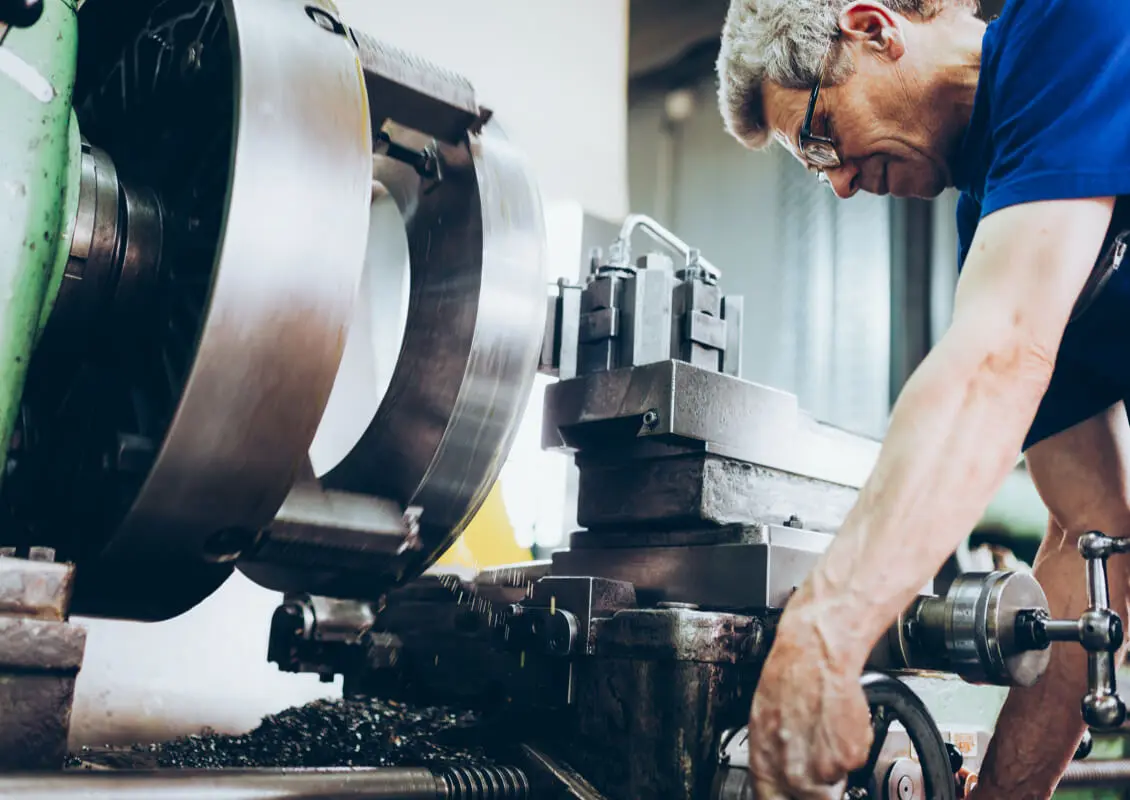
point(1100, 633)
point(1099, 630)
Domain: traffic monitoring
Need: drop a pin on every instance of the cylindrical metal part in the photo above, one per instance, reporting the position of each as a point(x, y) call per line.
point(972, 631)
point(495, 783)
point(1094, 774)
point(452, 783)
point(1096, 582)
point(1062, 630)
point(271, 784)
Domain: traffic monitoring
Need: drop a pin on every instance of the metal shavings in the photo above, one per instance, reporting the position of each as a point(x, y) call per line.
point(326, 733)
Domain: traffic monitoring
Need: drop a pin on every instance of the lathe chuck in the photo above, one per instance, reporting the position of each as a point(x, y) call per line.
point(265, 189)
point(159, 437)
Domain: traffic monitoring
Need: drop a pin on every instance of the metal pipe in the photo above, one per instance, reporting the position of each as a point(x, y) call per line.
point(463, 783)
point(1097, 774)
point(663, 236)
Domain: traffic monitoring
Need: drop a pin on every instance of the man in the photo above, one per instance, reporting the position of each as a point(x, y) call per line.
point(1030, 118)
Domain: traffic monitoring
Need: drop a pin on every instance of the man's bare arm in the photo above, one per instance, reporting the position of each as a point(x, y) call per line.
point(958, 426)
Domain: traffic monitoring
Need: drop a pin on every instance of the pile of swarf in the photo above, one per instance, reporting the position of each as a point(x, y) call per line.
point(325, 733)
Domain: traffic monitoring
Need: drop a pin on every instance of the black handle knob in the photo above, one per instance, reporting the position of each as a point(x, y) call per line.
point(21, 13)
point(1086, 745)
point(1104, 712)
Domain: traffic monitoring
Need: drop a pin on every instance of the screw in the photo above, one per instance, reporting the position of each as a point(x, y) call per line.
point(651, 419)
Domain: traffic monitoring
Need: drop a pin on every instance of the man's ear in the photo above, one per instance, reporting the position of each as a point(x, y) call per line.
point(874, 27)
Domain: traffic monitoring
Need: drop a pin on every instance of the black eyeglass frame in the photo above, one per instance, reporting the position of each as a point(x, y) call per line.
point(818, 151)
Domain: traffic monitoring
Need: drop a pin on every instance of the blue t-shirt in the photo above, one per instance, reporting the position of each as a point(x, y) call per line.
point(1051, 121)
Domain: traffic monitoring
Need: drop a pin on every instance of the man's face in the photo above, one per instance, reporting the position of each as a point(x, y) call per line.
point(880, 122)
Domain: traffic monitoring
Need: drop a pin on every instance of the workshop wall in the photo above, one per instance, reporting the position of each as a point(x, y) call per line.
point(555, 73)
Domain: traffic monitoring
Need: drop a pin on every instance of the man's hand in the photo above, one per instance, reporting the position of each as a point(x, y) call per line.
point(810, 725)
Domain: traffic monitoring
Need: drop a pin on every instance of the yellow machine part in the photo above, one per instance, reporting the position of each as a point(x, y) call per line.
point(489, 539)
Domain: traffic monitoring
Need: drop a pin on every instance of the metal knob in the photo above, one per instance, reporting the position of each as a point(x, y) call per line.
point(1086, 745)
point(1104, 711)
point(20, 13)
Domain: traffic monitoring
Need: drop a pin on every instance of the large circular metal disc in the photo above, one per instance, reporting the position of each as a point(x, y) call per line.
point(249, 121)
point(447, 416)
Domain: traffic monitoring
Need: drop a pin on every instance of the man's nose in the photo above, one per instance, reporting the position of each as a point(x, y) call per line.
point(844, 181)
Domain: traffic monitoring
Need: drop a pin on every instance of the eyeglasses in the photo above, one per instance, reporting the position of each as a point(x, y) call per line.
point(818, 151)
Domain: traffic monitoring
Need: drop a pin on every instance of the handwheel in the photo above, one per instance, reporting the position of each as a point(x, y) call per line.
point(890, 699)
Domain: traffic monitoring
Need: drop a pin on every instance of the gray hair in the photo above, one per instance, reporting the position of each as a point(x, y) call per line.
point(785, 41)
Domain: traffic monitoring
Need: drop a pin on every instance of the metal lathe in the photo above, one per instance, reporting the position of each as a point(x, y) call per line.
point(273, 296)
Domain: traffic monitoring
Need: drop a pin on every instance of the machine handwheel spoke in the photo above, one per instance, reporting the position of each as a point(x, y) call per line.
point(890, 700)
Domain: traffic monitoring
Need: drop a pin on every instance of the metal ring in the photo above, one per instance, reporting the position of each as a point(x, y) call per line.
point(476, 245)
point(285, 278)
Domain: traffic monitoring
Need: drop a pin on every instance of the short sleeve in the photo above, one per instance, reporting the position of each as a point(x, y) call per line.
point(1060, 102)
point(968, 215)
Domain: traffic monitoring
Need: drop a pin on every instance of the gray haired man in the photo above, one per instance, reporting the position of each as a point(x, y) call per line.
point(1028, 118)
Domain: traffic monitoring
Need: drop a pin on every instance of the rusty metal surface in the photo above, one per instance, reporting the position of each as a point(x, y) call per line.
point(39, 661)
point(33, 644)
point(40, 589)
point(679, 634)
point(650, 730)
point(36, 712)
point(586, 598)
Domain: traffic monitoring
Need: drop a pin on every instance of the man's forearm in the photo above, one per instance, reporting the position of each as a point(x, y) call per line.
point(954, 435)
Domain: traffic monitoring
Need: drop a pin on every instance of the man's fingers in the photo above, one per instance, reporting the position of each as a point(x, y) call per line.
point(764, 790)
point(771, 790)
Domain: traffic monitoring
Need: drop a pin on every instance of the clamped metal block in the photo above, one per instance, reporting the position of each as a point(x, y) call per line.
point(40, 657)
